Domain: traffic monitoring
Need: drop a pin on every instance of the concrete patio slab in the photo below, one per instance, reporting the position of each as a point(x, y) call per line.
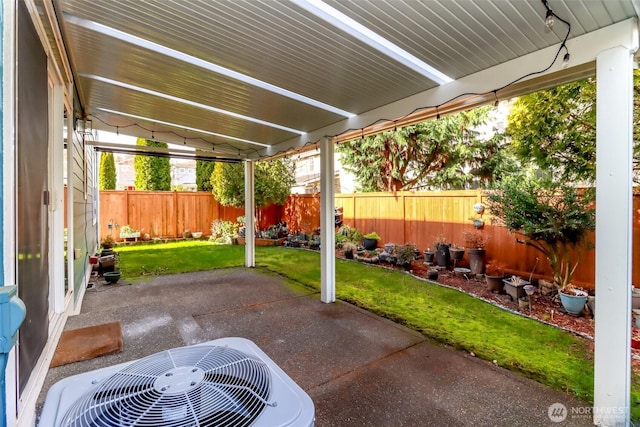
point(359, 369)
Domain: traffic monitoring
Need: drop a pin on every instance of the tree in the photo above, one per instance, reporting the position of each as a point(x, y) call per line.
point(443, 153)
point(556, 130)
point(551, 217)
point(204, 169)
point(273, 182)
point(107, 180)
point(152, 173)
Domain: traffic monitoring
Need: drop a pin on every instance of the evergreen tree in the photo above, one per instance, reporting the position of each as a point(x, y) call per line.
point(555, 129)
point(204, 169)
point(445, 154)
point(107, 179)
point(152, 173)
point(273, 182)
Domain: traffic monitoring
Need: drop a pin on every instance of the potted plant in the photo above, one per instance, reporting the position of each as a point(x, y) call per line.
point(128, 232)
point(555, 220)
point(370, 241)
point(494, 273)
point(107, 242)
point(514, 287)
point(428, 256)
point(456, 252)
point(404, 254)
point(475, 243)
point(442, 251)
point(349, 249)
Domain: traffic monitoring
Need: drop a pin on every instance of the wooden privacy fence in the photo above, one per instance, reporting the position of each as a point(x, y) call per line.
point(398, 218)
point(168, 213)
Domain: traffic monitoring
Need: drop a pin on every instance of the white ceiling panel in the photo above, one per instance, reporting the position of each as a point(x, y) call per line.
point(286, 46)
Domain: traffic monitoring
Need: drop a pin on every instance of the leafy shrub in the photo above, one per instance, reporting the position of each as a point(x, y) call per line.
point(223, 232)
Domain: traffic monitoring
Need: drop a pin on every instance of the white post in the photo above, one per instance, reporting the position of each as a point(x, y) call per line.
point(56, 200)
point(327, 222)
point(249, 211)
point(614, 154)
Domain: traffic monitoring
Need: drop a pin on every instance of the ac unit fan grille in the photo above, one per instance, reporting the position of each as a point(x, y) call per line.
point(188, 386)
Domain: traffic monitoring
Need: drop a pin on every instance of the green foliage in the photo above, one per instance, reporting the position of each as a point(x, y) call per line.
point(223, 232)
point(273, 181)
point(444, 153)
point(373, 235)
point(107, 179)
point(204, 169)
point(347, 234)
point(556, 130)
point(552, 218)
point(152, 173)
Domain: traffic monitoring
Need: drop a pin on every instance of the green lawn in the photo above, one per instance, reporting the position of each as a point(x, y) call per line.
point(544, 353)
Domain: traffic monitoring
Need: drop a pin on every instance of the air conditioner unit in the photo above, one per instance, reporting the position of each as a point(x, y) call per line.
point(225, 382)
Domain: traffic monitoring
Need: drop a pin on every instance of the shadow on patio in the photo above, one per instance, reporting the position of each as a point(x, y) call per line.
point(359, 369)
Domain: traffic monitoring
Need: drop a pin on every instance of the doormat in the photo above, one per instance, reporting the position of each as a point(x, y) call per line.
point(87, 343)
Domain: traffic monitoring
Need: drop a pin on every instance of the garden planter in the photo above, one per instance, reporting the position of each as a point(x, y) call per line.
point(432, 274)
point(264, 242)
point(495, 283)
point(456, 254)
point(348, 254)
point(369, 244)
point(476, 260)
point(112, 276)
point(428, 257)
point(574, 301)
point(442, 255)
point(515, 291)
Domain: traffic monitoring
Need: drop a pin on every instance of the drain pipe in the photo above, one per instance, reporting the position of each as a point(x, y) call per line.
point(12, 313)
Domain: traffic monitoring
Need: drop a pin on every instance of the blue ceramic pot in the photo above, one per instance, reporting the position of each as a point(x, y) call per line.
point(573, 303)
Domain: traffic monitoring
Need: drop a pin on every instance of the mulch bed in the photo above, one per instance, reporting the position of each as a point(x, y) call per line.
point(545, 309)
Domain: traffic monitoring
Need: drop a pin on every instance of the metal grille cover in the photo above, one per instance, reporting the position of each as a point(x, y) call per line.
point(228, 382)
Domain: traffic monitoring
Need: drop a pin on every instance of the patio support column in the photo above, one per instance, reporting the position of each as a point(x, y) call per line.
point(614, 154)
point(327, 222)
point(249, 212)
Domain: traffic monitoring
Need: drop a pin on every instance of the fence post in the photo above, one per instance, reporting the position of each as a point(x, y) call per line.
point(126, 211)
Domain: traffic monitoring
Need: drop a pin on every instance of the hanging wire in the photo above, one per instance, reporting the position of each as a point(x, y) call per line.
point(550, 18)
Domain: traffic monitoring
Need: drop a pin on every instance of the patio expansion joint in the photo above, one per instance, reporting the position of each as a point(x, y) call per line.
point(251, 306)
point(369, 364)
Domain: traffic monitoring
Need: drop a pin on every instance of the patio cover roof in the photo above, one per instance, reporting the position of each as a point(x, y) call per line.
point(252, 79)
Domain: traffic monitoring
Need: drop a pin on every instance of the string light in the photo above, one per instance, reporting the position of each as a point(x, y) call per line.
point(566, 58)
point(550, 19)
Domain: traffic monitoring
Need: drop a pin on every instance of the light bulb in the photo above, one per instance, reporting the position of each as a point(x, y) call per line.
point(565, 60)
point(549, 20)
